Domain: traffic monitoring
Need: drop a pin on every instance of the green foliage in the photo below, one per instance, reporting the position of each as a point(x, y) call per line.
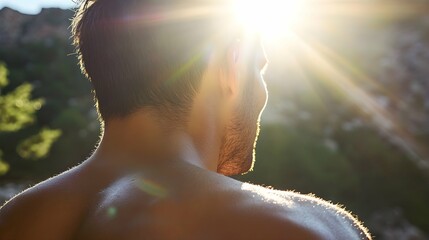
point(3, 75)
point(70, 119)
point(17, 112)
point(18, 109)
point(4, 167)
point(38, 146)
point(68, 107)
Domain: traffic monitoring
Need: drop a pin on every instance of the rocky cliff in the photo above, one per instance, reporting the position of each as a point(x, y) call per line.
point(50, 23)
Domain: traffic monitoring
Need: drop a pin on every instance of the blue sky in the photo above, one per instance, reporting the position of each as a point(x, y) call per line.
point(34, 6)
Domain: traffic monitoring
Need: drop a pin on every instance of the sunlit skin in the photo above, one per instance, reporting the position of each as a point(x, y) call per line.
point(152, 178)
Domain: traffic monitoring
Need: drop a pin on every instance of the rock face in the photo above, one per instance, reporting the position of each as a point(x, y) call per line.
point(50, 23)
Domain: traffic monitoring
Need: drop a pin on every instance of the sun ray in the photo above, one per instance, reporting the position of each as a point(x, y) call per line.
point(384, 121)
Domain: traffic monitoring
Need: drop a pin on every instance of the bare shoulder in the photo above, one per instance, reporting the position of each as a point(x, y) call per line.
point(42, 211)
point(282, 213)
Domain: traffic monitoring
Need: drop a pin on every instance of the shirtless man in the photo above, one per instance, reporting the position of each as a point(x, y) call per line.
point(181, 99)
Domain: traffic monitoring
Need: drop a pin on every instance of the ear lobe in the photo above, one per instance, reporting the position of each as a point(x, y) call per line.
point(236, 51)
point(229, 70)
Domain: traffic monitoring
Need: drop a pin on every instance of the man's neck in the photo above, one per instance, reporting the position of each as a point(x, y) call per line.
point(142, 139)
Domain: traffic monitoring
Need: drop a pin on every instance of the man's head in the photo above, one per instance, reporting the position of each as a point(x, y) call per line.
point(143, 53)
point(154, 53)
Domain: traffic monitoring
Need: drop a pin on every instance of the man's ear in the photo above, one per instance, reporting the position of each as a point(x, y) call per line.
point(229, 70)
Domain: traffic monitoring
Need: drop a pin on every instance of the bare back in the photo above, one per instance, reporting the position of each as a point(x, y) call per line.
point(185, 203)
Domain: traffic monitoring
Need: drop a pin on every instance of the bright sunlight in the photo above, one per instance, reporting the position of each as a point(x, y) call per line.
point(269, 17)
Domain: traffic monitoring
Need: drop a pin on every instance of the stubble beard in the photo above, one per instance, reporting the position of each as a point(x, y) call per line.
point(237, 152)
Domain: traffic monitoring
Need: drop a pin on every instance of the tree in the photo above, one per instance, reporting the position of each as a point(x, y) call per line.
point(17, 111)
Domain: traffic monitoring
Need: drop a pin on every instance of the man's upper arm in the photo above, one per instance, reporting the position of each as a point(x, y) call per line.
point(331, 221)
point(36, 213)
point(12, 215)
point(306, 224)
point(287, 215)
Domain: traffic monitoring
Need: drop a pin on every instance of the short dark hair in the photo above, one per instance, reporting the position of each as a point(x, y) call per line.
point(142, 53)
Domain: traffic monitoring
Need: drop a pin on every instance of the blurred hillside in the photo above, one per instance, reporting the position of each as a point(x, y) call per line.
point(17, 28)
point(376, 63)
point(347, 118)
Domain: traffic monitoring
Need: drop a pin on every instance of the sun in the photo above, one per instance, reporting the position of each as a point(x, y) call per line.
point(269, 17)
